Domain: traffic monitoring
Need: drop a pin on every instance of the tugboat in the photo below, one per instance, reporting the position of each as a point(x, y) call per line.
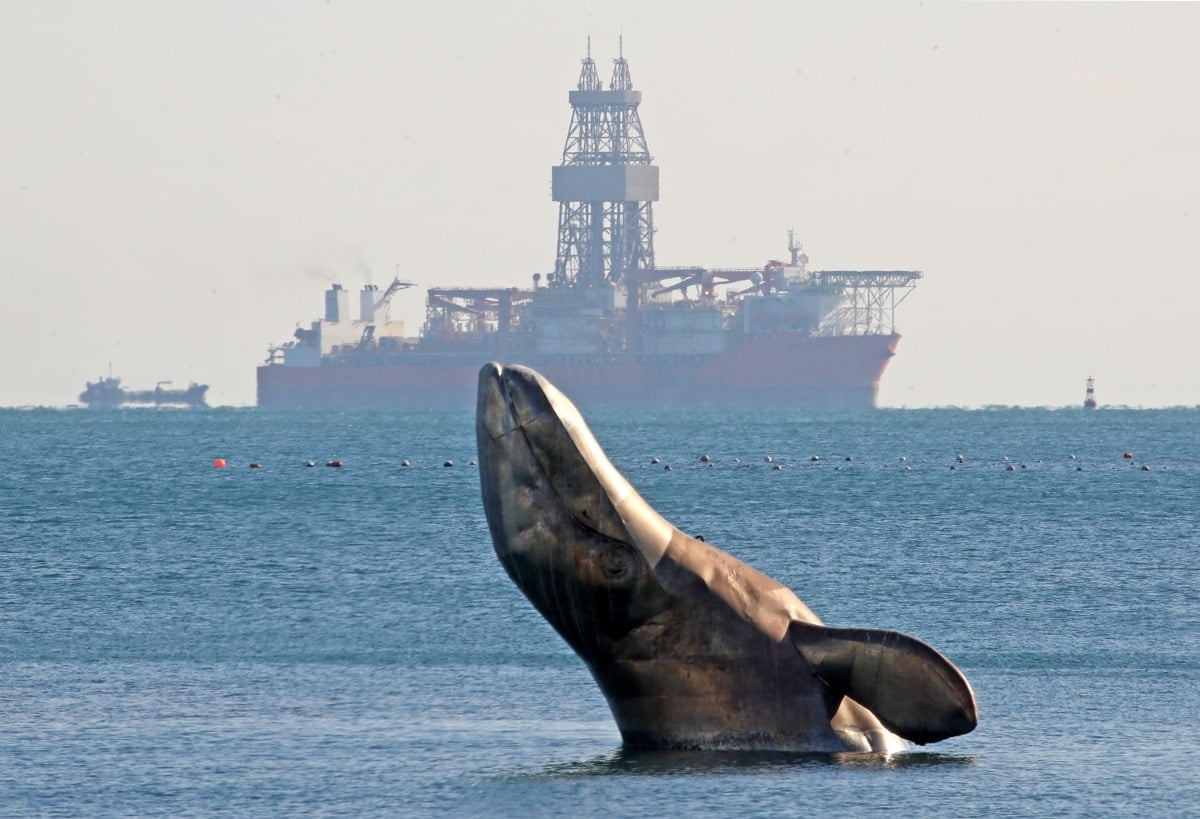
point(108, 393)
point(1090, 401)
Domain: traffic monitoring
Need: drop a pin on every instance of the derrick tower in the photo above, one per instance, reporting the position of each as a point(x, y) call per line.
point(605, 185)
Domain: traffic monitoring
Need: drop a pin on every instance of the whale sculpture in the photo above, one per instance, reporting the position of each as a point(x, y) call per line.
point(692, 648)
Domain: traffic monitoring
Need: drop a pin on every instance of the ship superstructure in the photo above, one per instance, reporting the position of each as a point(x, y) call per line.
point(607, 323)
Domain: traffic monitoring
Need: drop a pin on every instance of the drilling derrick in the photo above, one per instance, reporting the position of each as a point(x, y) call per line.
point(604, 186)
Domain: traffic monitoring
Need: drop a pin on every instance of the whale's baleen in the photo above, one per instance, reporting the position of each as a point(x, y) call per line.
point(692, 648)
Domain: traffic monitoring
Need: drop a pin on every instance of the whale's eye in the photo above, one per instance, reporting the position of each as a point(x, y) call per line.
point(616, 563)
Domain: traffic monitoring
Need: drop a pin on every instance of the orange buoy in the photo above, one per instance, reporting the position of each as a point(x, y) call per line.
point(1127, 454)
point(334, 463)
point(218, 463)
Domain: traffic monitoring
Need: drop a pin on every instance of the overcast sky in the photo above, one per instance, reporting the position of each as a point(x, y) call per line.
point(180, 181)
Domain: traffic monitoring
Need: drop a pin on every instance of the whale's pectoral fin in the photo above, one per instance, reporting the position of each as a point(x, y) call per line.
point(913, 690)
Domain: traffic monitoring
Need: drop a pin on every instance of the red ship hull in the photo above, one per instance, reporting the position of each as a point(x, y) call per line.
point(775, 370)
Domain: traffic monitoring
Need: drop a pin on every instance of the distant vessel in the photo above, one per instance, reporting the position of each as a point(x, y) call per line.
point(1090, 401)
point(609, 325)
point(108, 392)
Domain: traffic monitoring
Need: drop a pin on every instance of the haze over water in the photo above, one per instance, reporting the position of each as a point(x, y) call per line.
point(177, 639)
point(180, 182)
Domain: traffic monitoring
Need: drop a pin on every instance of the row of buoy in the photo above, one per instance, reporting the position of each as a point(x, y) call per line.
point(960, 458)
point(221, 463)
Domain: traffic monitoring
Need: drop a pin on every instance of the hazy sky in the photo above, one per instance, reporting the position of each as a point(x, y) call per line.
point(180, 181)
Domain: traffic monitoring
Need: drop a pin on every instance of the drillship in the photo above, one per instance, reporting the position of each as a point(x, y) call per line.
point(608, 325)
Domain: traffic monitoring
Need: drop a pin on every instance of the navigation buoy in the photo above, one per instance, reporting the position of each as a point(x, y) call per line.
point(255, 465)
point(310, 463)
point(218, 463)
point(903, 459)
point(448, 463)
point(654, 460)
point(1127, 454)
point(815, 458)
point(704, 459)
point(334, 463)
point(667, 468)
point(1145, 467)
point(959, 459)
point(778, 467)
point(848, 458)
point(1012, 468)
point(405, 462)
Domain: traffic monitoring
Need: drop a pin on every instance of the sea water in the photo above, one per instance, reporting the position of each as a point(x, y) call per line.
point(177, 639)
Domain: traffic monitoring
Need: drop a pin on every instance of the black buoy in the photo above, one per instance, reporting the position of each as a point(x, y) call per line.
point(309, 463)
point(778, 467)
point(405, 462)
point(667, 468)
point(654, 460)
point(704, 459)
point(255, 465)
point(448, 463)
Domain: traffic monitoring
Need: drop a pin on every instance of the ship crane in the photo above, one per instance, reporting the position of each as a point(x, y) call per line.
point(397, 285)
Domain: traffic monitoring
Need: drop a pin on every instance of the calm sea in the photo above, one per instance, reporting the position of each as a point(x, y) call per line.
point(182, 640)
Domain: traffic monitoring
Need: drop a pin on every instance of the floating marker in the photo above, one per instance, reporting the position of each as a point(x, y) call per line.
point(310, 463)
point(1071, 457)
point(255, 465)
point(768, 459)
point(667, 468)
point(704, 459)
point(448, 463)
point(959, 459)
point(405, 462)
point(654, 460)
point(848, 458)
point(1011, 468)
point(334, 463)
point(1145, 467)
point(815, 458)
point(218, 463)
point(1127, 454)
point(778, 467)
point(903, 459)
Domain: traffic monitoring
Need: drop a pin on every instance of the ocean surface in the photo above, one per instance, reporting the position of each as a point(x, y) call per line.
point(181, 640)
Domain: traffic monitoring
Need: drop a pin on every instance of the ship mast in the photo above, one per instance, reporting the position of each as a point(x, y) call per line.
point(605, 185)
